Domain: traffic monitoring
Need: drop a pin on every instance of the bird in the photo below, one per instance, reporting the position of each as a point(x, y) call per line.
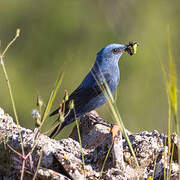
point(89, 95)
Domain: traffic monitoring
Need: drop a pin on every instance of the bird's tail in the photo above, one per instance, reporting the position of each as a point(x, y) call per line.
point(57, 130)
point(60, 126)
point(54, 112)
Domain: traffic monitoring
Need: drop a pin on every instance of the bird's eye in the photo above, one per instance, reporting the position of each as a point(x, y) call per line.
point(115, 51)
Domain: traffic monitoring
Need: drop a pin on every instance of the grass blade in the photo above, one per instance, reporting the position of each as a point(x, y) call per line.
point(80, 142)
point(51, 98)
point(116, 115)
point(170, 79)
point(172, 89)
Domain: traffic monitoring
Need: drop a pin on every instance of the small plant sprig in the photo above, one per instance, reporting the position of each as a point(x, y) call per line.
point(36, 113)
point(6, 75)
point(40, 120)
point(62, 114)
point(170, 79)
point(80, 141)
point(51, 99)
point(39, 103)
point(11, 96)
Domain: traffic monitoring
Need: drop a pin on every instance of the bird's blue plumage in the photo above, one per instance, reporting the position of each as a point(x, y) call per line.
point(88, 96)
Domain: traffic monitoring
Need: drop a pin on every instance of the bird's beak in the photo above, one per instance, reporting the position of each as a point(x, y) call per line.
point(131, 48)
point(123, 48)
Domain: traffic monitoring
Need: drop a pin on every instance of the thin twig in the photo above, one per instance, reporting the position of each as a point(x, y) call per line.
point(12, 149)
point(80, 142)
point(38, 165)
point(11, 94)
point(105, 160)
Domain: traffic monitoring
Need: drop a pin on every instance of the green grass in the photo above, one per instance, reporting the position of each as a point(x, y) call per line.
point(170, 79)
point(11, 94)
point(45, 114)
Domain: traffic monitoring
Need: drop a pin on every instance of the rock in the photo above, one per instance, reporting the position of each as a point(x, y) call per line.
point(63, 159)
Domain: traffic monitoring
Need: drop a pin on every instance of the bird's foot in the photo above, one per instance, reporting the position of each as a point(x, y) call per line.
point(93, 115)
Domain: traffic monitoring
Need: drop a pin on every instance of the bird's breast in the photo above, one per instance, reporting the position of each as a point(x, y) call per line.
point(114, 79)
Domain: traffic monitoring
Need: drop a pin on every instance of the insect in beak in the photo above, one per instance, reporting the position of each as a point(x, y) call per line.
point(132, 48)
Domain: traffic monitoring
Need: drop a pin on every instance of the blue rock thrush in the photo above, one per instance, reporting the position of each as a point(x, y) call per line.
point(89, 95)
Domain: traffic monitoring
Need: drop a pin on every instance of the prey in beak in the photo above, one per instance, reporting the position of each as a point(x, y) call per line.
point(132, 48)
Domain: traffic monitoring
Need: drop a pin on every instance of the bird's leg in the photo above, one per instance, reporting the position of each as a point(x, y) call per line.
point(93, 115)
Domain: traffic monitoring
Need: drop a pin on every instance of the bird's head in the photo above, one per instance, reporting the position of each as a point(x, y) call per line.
point(111, 52)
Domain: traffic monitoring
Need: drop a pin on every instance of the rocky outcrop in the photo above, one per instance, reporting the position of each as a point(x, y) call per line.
point(66, 159)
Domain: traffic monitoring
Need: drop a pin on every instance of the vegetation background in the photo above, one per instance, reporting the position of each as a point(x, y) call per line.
point(65, 35)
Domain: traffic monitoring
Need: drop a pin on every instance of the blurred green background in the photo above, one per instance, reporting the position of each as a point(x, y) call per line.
point(64, 35)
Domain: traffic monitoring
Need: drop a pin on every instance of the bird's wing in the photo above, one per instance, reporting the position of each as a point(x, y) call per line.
point(82, 95)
